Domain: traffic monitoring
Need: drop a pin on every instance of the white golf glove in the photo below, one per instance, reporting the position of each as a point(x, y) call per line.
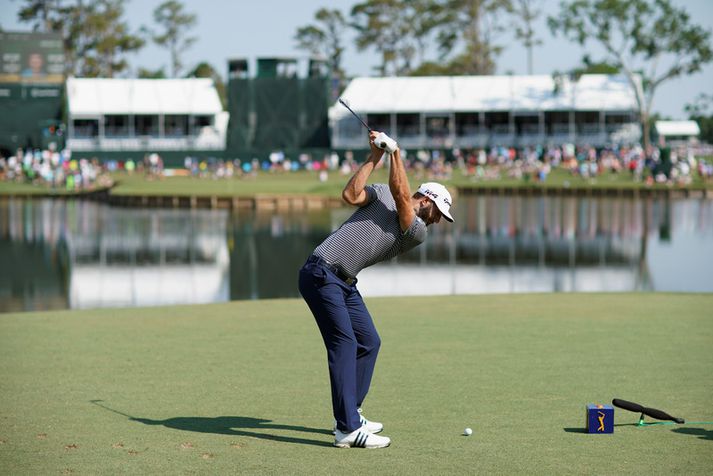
point(386, 143)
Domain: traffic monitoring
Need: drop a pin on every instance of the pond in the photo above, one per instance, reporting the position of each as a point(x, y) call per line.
point(57, 254)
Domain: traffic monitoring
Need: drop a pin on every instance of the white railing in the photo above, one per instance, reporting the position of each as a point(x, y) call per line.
point(202, 142)
point(594, 138)
point(558, 138)
point(501, 139)
point(478, 138)
point(82, 144)
point(481, 137)
point(530, 139)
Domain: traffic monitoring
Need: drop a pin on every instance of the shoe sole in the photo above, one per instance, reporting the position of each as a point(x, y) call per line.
point(347, 445)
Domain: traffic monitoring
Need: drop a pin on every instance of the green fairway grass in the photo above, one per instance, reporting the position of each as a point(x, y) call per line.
point(242, 387)
point(307, 182)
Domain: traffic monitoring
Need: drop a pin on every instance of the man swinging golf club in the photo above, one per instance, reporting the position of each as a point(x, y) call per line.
point(389, 221)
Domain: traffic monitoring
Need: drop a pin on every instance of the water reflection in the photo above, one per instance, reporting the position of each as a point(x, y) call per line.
point(57, 254)
point(76, 254)
point(545, 244)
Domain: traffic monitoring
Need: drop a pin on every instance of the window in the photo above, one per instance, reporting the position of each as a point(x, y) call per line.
point(146, 125)
point(85, 128)
point(467, 123)
point(438, 126)
point(175, 125)
point(116, 125)
point(202, 121)
point(408, 125)
point(557, 122)
point(587, 121)
point(379, 122)
point(498, 122)
point(527, 125)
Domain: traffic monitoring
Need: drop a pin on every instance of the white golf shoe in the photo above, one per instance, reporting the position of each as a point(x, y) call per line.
point(372, 426)
point(360, 438)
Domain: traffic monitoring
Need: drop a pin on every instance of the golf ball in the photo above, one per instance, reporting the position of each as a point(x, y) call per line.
point(467, 432)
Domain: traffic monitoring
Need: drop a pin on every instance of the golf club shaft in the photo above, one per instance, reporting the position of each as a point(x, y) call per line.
point(341, 101)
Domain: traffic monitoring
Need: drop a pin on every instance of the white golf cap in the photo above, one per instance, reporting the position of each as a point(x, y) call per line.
point(440, 196)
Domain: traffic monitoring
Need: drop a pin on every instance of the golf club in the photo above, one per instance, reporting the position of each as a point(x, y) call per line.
point(346, 104)
point(652, 412)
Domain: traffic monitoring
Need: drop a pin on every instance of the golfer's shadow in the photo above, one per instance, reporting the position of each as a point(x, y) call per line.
point(230, 425)
point(701, 433)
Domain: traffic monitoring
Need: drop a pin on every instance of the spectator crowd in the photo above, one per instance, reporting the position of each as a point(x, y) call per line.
point(653, 165)
point(56, 169)
point(59, 170)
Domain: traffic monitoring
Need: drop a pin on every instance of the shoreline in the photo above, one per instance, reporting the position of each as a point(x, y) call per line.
point(300, 201)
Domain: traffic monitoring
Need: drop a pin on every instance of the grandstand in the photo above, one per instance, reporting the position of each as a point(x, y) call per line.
point(140, 115)
point(482, 111)
point(283, 106)
point(676, 133)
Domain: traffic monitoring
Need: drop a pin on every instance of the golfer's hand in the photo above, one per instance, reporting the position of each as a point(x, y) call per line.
point(384, 142)
point(376, 151)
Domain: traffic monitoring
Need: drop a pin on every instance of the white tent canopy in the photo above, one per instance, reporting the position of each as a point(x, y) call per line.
point(446, 94)
point(94, 96)
point(678, 128)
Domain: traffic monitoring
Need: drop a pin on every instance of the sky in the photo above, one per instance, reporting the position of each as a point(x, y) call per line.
point(240, 29)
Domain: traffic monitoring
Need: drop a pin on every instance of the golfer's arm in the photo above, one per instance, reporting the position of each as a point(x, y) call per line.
point(353, 192)
point(401, 191)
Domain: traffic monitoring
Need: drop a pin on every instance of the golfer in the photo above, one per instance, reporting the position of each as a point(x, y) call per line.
point(389, 221)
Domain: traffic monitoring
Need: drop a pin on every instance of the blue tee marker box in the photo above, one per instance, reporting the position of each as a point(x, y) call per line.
point(600, 418)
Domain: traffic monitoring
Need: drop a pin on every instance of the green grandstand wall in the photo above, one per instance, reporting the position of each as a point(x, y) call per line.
point(277, 113)
point(29, 112)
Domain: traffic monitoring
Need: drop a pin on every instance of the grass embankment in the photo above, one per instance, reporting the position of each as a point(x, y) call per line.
point(304, 182)
point(243, 387)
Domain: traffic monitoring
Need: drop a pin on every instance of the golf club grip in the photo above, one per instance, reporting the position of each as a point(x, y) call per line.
point(631, 406)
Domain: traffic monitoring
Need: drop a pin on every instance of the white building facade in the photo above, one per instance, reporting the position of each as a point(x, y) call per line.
point(144, 114)
point(483, 111)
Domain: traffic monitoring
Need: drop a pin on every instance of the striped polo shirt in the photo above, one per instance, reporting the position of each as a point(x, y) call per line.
point(372, 234)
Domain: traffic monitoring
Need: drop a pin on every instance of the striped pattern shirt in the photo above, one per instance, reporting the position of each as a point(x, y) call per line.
point(372, 234)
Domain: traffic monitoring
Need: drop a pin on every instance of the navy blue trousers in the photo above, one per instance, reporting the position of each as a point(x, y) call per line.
point(349, 335)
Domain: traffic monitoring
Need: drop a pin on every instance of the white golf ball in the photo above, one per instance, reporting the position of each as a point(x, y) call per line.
point(467, 432)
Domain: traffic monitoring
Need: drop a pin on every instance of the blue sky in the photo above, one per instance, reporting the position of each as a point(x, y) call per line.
point(240, 29)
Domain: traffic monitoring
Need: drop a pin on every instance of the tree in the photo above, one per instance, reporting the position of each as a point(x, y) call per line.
point(594, 67)
point(525, 13)
point(108, 39)
point(373, 21)
point(399, 30)
point(475, 24)
point(422, 16)
point(701, 111)
point(176, 24)
point(205, 70)
point(95, 38)
point(638, 36)
point(41, 13)
point(146, 73)
point(324, 39)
